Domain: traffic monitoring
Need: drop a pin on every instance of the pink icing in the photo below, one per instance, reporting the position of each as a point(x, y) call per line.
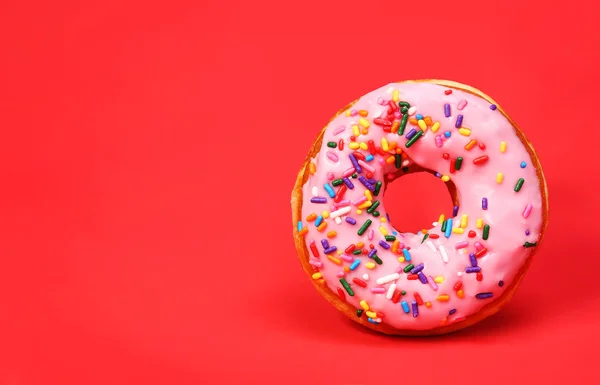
point(509, 214)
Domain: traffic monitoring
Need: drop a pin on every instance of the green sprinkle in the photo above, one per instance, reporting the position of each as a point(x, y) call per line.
point(359, 312)
point(373, 207)
point(529, 244)
point(357, 251)
point(405, 169)
point(486, 232)
point(404, 104)
point(458, 163)
point(377, 259)
point(355, 175)
point(376, 213)
point(332, 144)
point(390, 238)
point(404, 110)
point(398, 160)
point(337, 182)
point(377, 188)
point(364, 227)
point(425, 237)
point(347, 287)
point(403, 124)
point(444, 224)
point(414, 139)
point(519, 184)
point(408, 268)
point(403, 292)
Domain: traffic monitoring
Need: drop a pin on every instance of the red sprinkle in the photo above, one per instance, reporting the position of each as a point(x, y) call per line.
point(481, 160)
point(314, 250)
point(353, 138)
point(341, 144)
point(350, 248)
point(434, 236)
point(387, 128)
point(452, 166)
point(445, 156)
point(371, 246)
point(393, 106)
point(479, 277)
point(341, 294)
point(382, 122)
point(380, 314)
point(418, 299)
point(340, 193)
point(371, 146)
point(482, 146)
point(448, 92)
point(481, 253)
point(359, 282)
point(396, 296)
point(457, 286)
point(365, 251)
point(412, 277)
point(380, 151)
point(472, 234)
point(358, 155)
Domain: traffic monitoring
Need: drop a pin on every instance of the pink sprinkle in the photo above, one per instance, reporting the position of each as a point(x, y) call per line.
point(343, 203)
point(478, 246)
point(330, 175)
point(461, 245)
point(438, 141)
point(432, 283)
point(382, 161)
point(348, 172)
point(353, 113)
point(527, 210)
point(397, 114)
point(315, 263)
point(401, 246)
point(378, 290)
point(339, 130)
point(380, 100)
point(346, 258)
point(366, 166)
point(359, 200)
point(340, 274)
point(333, 157)
point(462, 104)
point(370, 234)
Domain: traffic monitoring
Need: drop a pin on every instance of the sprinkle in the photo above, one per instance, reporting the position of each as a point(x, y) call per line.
point(347, 287)
point(387, 279)
point(369, 158)
point(329, 190)
point(325, 244)
point(355, 163)
point(417, 268)
point(317, 275)
point(370, 265)
point(432, 283)
point(373, 207)
point(462, 104)
point(378, 290)
point(366, 166)
point(371, 233)
point(405, 307)
point(480, 160)
point(448, 228)
point(333, 259)
point(359, 282)
point(319, 220)
point(470, 145)
point(481, 253)
point(447, 134)
point(443, 298)
point(447, 92)
point(339, 130)
point(408, 268)
point(412, 110)
point(459, 120)
point(445, 178)
point(473, 259)
point(527, 210)
point(422, 125)
point(455, 211)
point(303, 232)
point(406, 254)
point(464, 220)
point(425, 237)
point(411, 133)
point(359, 312)
point(348, 172)
point(403, 124)
point(366, 183)
point(452, 311)
point(464, 131)
point(527, 232)
point(447, 110)
point(364, 227)
point(377, 259)
point(332, 144)
point(478, 246)
point(458, 230)
point(330, 250)
point(519, 184)
point(340, 212)
point(461, 245)
point(529, 244)
point(419, 116)
point(364, 305)
point(444, 254)
point(502, 146)
point(523, 164)
point(332, 156)
point(499, 178)
point(486, 232)
point(336, 182)
point(395, 96)
point(475, 269)
point(414, 139)
point(484, 295)
point(492, 107)
point(422, 278)
point(345, 257)
point(390, 291)
point(500, 283)
point(431, 246)
point(348, 183)
point(384, 244)
point(352, 221)
point(318, 200)
point(299, 225)
point(415, 309)
point(438, 141)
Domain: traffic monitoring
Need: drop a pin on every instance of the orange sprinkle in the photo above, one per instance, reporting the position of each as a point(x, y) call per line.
point(331, 234)
point(470, 145)
point(395, 246)
point(312, 168)
point(443, 297)
point(303, 231)
point(322, 226)
point(393, 145)
point(460, 293)
point(363, 113)
point(424, 231)
point(364, 131)
point(395, 126)
point(413, 121)
point(428, 121)
point(360, 245)
point(334, 259)
point(347, 269)
point(390, 160)
point(311, 217)
point(398, 150)
point(428, 304)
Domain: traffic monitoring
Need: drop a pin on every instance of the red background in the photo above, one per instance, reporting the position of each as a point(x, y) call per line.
point(147, 156)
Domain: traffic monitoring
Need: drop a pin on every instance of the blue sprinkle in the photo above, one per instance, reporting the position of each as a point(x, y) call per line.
point(355, 264)
point(329, 190)
point(448, 228)
point(369, 158)
point(419, 116)
point(452, 311)
point(406, 254)
point(405, 307)
point(493, 107)
point(523, 164)
point(299, 225)
point(371, 320)
point(352, 221)
point(447, 134)
point(395, 233)
point(319, 220)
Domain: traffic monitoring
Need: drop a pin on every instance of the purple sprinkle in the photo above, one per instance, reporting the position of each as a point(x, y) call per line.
point(415, 309)
point(372, 181)
point(422, 278)
point(452, 311)
point(411, 133)
point(417, 268)
point(473, 260)
point(455, 211)
point(387, 216)
point(355, 163)
point(318, 200)
point(447, 110)
point(325, 243)
point(501, 283)
point(348, 183)
point(352, 221)
point(475, 269)
point(372, 253)
point(492, 107)
point(484, 203)
point(527, 232)
point(484, 295)
point(384, 244)
point(459, 120)
point(366, 183)
point(438, 175)
point(330, 250)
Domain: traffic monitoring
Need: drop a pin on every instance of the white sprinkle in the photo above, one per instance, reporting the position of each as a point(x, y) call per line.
point(390, 292)
point(366, 276)
point(405, 163)
point(340, 212)
point(315, 192)
point(412, 110)
point(431, 246)
point(390, 90)
point(444, 254)
point(387, 279)
point(434, 224)
point(459, 273)
point(378, 320)
point(338, 220)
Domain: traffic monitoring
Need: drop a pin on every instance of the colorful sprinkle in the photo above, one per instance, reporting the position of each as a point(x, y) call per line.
point(519, 184)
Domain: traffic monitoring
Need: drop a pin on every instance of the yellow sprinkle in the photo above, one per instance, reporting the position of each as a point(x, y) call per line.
point(464, 220)
point(383, 220)
point(312, 168)
point(322, 226)
point(499, 177)
point(364, 305)
point(340, 252)
point(364, 146)
point(364, 122)
point(390, 159)
point(479, 223)
point(396, 96)
point(441, 219)
point(464, 131)
point(443, 297)
point(360, 245)
point(383, 231)
point(363, 112)
point(438, 279)
point(502, 146)
point(347, 112)
point(325, 214)
point(364, 205)
point(435, 127)
point(428, 304)
point(401, 259)
point(422, 125)
point(458, 230)
point(395, 246)
point(445, 178)
point(353, 145)
point(370, 265)
point(331, 234)
point(371, 314)
point(355, 130)
point(364, 131)
point(358, 212)
point(317, 275)
point(460, 293)
point(368, 195)
point(384, 144)
point(334, 259)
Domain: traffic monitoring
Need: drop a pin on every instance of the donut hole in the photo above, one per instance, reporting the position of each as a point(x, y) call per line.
point(414, 201)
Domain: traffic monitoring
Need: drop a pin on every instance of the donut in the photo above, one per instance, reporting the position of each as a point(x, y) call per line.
point(470, 263)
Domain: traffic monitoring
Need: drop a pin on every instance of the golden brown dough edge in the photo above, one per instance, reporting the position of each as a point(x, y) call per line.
point(348, 309)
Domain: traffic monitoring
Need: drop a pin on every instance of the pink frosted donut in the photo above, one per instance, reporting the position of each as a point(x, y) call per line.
point(471, 262)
